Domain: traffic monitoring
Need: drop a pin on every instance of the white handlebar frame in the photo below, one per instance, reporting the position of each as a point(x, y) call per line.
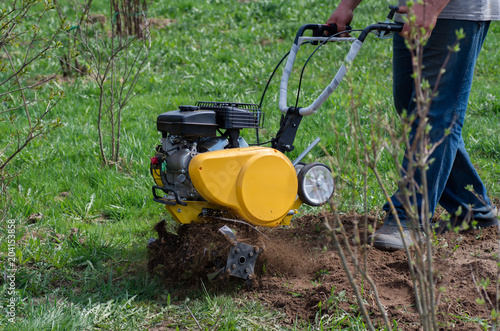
point(313, 108)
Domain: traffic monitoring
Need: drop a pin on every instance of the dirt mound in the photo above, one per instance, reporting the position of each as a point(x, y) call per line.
point(301, 273)
point(198, 251)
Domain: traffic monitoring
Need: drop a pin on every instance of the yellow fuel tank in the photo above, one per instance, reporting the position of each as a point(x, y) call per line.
point(258, 183)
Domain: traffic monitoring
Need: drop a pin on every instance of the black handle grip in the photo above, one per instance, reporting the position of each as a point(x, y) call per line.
point(318, 30)
point(332, 29)
point(388, 27)
point(326, 30)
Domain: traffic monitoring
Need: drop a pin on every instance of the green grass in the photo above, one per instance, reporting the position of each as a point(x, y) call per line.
point(216, 51)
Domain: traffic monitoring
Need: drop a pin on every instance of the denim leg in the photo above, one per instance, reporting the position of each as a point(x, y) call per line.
point(476, 205)
point(451, 171)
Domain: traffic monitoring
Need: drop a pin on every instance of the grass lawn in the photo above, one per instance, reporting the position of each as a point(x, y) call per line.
point(81, 265)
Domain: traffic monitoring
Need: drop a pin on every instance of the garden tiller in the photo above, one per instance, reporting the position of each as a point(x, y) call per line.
point(204, 169)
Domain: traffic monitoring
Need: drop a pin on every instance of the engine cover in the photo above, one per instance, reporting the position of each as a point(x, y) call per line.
point(258, 183)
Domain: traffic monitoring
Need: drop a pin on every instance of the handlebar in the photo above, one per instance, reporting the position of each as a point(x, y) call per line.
point(382, 28)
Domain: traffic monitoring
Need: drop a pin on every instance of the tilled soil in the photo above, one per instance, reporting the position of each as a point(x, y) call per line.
point(300, 272)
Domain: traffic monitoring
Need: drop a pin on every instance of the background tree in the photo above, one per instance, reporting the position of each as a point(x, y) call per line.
point(26, 101)
point(113, 57)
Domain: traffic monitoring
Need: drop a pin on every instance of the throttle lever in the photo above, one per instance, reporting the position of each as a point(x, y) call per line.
point(386, 34)
point(394, 10)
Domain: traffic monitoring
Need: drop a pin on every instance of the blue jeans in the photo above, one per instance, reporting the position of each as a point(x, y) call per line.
point(452, 170)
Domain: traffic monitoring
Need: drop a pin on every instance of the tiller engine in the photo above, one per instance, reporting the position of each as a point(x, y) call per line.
point(203, 167)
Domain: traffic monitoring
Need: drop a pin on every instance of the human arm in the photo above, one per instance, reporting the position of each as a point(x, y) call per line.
point(343, 14)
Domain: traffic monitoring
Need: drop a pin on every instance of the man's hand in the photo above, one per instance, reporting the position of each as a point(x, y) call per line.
point(342, 16)
point(425, 14)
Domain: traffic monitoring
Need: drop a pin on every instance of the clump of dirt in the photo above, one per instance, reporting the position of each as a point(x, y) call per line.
point(196, 251)
point(301, 273)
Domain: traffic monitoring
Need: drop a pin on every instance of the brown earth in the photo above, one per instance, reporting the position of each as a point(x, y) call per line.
point(300, 271)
